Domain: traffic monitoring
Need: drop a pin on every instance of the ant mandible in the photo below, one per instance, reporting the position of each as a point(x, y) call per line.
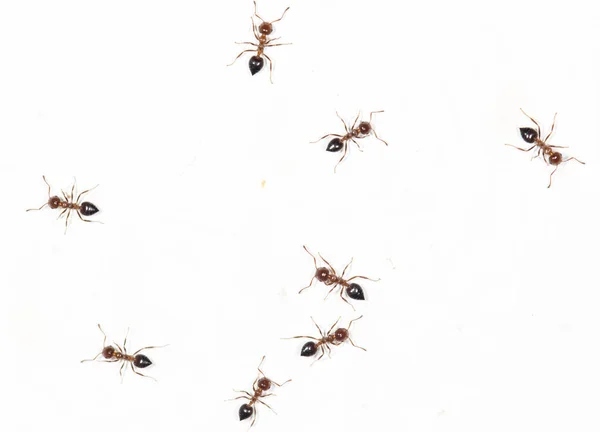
point(329, 277)
point(363, 130)
point(261, 384)
point(69, 204)
point(337, 337)
point(260, 33)
point(532, 136)
point(119, 354)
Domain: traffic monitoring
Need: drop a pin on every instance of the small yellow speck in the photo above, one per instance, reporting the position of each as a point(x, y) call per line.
point(263, 183)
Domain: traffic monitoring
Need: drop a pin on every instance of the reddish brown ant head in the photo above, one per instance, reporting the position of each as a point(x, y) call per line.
point(54, 202)
point(365, 128)
point(341, 334)
point(264, 384)
point(555, 158)
point(265, 28)
point(108, 352)
point(322, 274)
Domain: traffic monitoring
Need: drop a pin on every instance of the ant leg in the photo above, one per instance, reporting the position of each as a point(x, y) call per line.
point(301, 337)
point(249, 43)
point(363, 277)
point(270, 67)
point(84, 192)
point(334, 324)
point(318, 328)
point(325, 136)
point(343, 122)
point(354, 345)
point(355, 319)
point(87, 220)
point(344, 298)
point(522, 149)
point(279, 44)
point(241, 391)
point(347, 265)
point(551, 129)
point(36, 209)
point(376, 136)
point(121, 371)
point(357, 144)
point(150, 347)
point(125, 341)
point(239, 397)
point(342, 158)
point(536, 123)
point(119, 346)
point(240, 54)
point(355, 120)
point(282, 15)
point(141, 374)
point(67, 220)
point(61, 213)
point(65, 195)
point(331, 290)
point(258, 400)
point(550, 184)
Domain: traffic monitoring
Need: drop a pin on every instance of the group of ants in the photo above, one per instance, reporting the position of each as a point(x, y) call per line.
point(326, 274)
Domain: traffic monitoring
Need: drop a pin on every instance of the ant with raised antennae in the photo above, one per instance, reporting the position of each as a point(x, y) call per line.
point(261, 33)
point(531, 136)
point(119, 354)
point(337, 337)
point(329, 277)
point(69, 204)
point(261, 384)
point(340, 142)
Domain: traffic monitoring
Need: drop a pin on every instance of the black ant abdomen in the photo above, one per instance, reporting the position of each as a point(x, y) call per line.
point(335, 145)
point(529, 135)
point(88, 209)
point(355, 292)
point(245, 411)
point(309, 349)
point(141, 361)
point(255, 64)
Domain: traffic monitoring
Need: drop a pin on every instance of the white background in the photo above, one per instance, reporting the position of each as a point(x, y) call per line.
point(486, 315)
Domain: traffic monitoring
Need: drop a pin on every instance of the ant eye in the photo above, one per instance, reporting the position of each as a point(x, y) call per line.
point(335, 145)
point(529, 135)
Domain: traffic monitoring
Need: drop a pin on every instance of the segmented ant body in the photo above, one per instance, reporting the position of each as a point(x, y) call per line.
point(261, 385)
point(328, 276)
point(69, 204)
point(119, 354)
point(340, 142)
point(331, 338)
point(261, 33)
point(550, 156)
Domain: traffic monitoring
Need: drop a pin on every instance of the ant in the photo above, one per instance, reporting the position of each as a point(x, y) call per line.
point(332, 337)
point(69, 204)
point(329, 277)
point(261, 384)
point(118, 354)
point(260, 33)
point(532, 136)
point(363, 129)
